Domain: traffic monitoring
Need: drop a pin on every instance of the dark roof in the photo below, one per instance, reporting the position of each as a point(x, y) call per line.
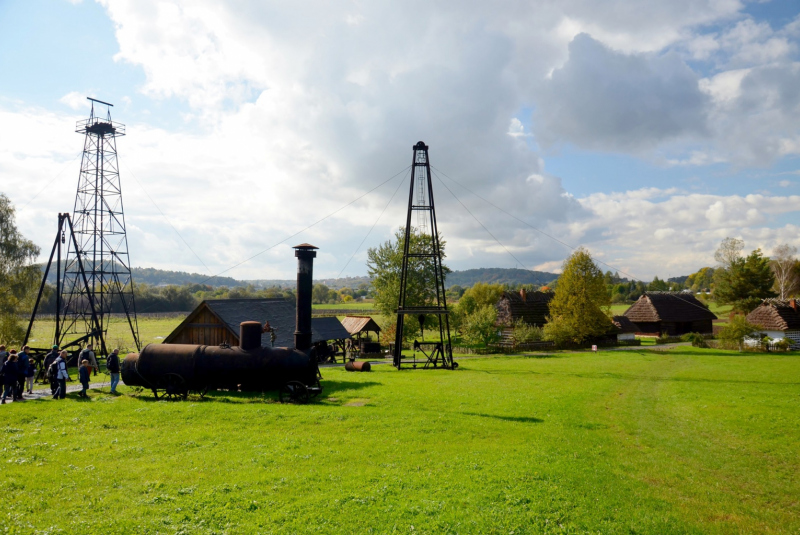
point(279, 312)
point(360, 324)
point(533, 309)
point(775, 315)
point(328, 328)
point(668, 306)
point(624, 324)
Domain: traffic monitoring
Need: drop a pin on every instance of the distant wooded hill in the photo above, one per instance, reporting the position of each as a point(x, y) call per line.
point(466, 278)
point(509, 276)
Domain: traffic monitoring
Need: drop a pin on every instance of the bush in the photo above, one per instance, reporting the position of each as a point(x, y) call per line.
point(697, 339)
point(734, 333)
point(783, 344)
point(559, 332)
point(525, 332)
point(479, 326)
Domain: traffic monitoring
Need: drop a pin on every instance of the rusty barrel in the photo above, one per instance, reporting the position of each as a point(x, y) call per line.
point(357, 366)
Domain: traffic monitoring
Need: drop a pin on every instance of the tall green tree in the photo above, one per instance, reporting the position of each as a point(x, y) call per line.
point(580, 307)
point(384, 264)
point(19, 276)
point(745, 282)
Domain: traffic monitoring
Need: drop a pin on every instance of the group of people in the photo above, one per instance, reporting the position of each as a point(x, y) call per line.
point(18, 371)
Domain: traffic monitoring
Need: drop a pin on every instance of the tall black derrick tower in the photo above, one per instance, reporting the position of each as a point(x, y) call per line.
point(421, 279)
point(95, 279)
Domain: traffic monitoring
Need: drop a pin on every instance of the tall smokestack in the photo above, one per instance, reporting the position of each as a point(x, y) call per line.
point(305, 254)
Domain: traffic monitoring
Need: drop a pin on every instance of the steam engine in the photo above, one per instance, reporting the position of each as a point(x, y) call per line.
point(178, 368)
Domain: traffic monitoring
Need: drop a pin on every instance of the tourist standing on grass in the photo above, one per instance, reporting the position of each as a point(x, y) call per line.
point(88, 354)
point(112, 364)
point(84, 374)
point(30, 375)
point(49, 359)
point(61, 376)
point(22, 369)
point(10, 377)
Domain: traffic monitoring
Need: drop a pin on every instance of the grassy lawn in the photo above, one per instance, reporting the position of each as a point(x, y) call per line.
point(151, 330)
point(687, 441)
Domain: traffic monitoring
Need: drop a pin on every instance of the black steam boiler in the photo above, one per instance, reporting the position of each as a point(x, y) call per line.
point(175, 369)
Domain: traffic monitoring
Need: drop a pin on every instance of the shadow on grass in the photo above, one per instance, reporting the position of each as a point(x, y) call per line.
point(266, 396)
point(519, 419)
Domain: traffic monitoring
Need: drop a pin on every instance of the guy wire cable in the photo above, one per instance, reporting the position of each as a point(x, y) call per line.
point(373, 226)
point(168, 221)
point(479, 222)
point(304, 229)
point(51, 180)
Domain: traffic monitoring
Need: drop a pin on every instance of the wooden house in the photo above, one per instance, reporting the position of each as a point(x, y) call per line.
point(779, 319)
point(215, 321)
point(626, 329)
point(674, 313)
point(531, 307)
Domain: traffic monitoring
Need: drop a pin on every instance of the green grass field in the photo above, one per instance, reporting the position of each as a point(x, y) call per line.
point(151, 331)
point(685, 441)
point(353, 305)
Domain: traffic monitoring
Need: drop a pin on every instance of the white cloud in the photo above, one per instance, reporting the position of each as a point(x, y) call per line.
point(75, 100)
point(294, 112)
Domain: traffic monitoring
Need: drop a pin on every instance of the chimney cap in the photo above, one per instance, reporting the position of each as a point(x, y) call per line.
point(305, 246)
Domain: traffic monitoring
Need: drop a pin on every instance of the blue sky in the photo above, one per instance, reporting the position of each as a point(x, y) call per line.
point(647, 132)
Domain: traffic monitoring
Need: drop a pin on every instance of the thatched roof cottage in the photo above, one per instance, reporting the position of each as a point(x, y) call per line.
point(674, 313)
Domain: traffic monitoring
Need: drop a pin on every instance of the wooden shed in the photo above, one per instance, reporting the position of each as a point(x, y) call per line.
point(674, 313)
point(215, 321)
point(358, 325)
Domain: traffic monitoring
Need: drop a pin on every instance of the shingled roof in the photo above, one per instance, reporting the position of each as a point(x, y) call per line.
point(279, 312)
point(532, 307)
point(668, 306)
point(776, 315)
point(624, 324)
point(360, 324)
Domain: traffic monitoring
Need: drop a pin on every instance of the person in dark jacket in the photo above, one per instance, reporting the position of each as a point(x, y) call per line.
point(84, 374)
point(10, 377)
point(30, 375)
point(112, 364)
point(49, 359)
point(22, 369)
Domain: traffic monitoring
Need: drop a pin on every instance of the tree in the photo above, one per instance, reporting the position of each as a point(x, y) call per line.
point(745, 282)
point(702, 280)
point(658, 285)
point(479, 295)
point(480, 325)
point(580, 307)
point(384, 264)
point(729, 251)
point(783, 267)
point(19, 276)
point(320, 294)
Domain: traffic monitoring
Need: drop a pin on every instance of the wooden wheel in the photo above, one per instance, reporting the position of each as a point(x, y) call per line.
point(294, 392)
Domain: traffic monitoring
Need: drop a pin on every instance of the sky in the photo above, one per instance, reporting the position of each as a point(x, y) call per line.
point(646, 131)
